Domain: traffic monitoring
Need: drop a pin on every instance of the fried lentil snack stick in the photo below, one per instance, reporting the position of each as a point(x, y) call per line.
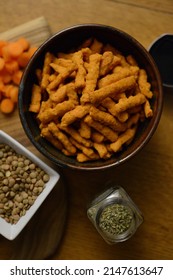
point(53, 128)
point(75, 134)
point(133, 120)
point(106, 131)
point(81, 71)
point(89, 152)
point(49, 136)
point(111, 90)
point(77, 113)
point(122, 139)
point(108, 62)
point(144, 86)
point(131, 60)
point(96, 46)
point(147, 109)
point(106, 119)
point(67, 90)
point(102, 150)
point(35, 99)
point(46, 69)
point(58, 111)
point(85, 130)
point(97, 137)
point(62, 76)
point(123, 72)
point(63, 62)
point(126, 103)
point(83, 158)
point(91, 77)
point(109, 104)
point(58, 95)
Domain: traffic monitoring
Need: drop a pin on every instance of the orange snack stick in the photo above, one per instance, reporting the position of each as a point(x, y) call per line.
point(111, 90)
point(96, 46)
point(84, 130)
point(102, 150)
point(108, 62)
point(53, 128)
point(126, 103)
point(106, 131)
point(58, 111)
point(46, 69)
point(97, 137)
point(76, 136)
point(89, 152)
point(58, 95)
point(81, 71)
point(144, 86)
point(49, 136)
point(83, 158)
point(106, 119)
point(35, 99)
point(122, 139)
point(122, 73)
point(62, 76)
point(131, 60)
point(77, 113)
point(147, 109)
point(91, 77)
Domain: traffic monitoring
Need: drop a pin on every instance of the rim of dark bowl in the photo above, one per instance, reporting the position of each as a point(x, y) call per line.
point(42, 145)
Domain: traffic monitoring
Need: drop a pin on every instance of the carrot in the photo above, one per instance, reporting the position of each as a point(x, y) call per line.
point(5, 76)
point(23, 59)
point(7, 89)
point(13, 93)
point(16, 77)
point(32, 51)
point(2, 44)
point(5, 53)
point(15, 49)
point(11, 66)
point(2, 63)
point(7, 106)
point(14, 56)
point(24, 43)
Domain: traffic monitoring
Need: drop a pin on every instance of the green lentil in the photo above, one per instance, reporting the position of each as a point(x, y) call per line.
point(21, 181)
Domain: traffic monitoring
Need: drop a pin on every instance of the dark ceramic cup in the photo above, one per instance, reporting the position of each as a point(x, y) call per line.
point(162, 52)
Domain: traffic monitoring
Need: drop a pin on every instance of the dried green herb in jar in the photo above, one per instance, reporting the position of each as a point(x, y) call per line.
point(115, 219)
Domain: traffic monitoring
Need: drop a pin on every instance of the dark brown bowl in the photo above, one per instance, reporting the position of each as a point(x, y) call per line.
point(64, 41)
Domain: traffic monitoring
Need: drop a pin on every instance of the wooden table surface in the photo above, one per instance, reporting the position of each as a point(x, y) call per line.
point(148, 177)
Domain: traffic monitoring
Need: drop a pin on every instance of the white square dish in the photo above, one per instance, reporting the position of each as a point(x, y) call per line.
point(8, 230)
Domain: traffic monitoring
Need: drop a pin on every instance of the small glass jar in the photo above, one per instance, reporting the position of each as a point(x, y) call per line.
point(115, 216)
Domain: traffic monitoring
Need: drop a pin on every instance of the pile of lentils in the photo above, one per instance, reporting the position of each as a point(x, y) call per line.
point(21, 182)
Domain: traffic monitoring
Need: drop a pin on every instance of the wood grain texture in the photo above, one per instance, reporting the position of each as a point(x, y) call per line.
point(147, 177)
